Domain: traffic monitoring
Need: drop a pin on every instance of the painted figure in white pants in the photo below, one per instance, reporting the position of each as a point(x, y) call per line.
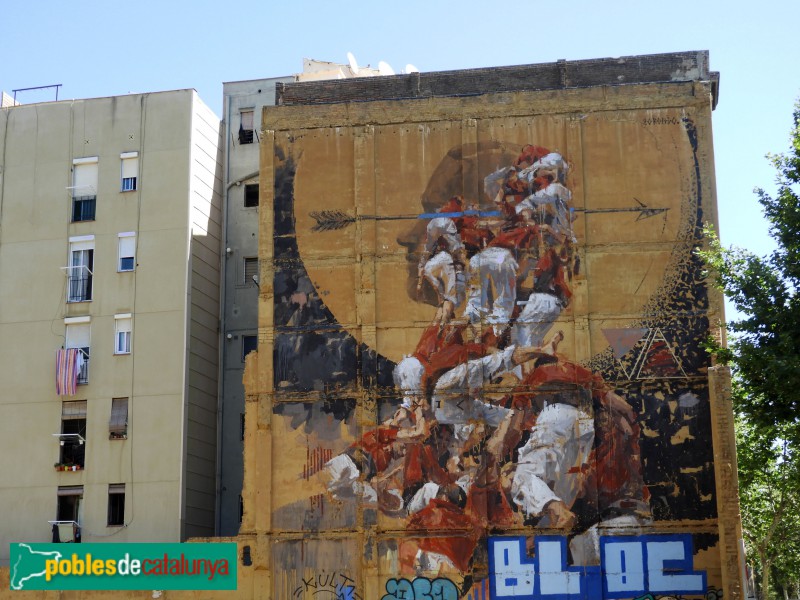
point(444, 269)
point(456, 397)
point(537, 317)
point(492, 287)
point(550, 470)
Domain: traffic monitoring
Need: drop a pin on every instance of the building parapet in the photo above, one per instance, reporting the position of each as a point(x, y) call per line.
point(626, 70)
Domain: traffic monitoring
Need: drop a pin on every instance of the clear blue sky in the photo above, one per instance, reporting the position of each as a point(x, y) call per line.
point(98, 48)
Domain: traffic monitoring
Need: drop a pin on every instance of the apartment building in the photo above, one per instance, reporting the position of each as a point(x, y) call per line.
point(242, 104)
point(110, 227)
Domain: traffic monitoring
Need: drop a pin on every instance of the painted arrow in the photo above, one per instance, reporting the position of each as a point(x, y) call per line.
point(645, 212)
point(331, 220)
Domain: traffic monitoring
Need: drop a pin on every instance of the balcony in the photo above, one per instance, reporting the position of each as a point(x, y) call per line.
point(65, 532)
point(72, 369)
point(83, 367)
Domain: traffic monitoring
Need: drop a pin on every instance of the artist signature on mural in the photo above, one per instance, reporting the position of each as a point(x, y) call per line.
point(661, 121)
point(327, 585)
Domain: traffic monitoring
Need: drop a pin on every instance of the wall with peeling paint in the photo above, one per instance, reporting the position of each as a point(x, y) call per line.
point(384, 474)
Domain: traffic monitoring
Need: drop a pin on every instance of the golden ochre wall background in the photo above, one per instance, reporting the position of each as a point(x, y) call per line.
point(339, 310)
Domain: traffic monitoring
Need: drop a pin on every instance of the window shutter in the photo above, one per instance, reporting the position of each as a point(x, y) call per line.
point(78, 335)
point(127, 251)
point(73, 410)
point(247, 119)
point(84, 179)
point(130, 167)
point(250, 269)
point(118, 423)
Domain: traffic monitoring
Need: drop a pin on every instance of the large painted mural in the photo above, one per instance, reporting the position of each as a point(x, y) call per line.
point(488, 371)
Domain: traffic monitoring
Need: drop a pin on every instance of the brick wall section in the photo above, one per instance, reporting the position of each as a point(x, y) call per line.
point(650, 68)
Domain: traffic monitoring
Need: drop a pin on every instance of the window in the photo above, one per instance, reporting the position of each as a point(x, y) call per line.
point(250, 270)
point(130, 170)
point(241, 508)
point(127, 251)
point(77, 335)
point(118, 423)
point(84, 188)
point(241, 421)
point(246, 127)
point(79, 269)
point(83, 208)
point(73, 434)
point(69, 503)
point(250, 195)
point(69, 514)
point(249, 344)
point(122, 334)
point(116, 504)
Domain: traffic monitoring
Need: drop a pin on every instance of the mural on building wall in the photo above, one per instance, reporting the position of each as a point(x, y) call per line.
point(529, 406)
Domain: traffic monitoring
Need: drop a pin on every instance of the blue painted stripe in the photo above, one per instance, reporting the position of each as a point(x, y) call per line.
point(466, 213)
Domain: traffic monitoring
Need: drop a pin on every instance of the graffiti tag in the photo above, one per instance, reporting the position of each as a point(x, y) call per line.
point(335, 586)
point(421, 588)
point(629, 566)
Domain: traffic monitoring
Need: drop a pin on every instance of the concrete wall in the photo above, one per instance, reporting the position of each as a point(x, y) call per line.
point(39, 144)
point(240, 307)
point(349, 486)
point(203, 340)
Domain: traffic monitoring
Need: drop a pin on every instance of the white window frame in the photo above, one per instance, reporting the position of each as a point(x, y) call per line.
point(126, 248)
point(129, 171)
point(80, 263)
point(123, 333)
point(117, 425)
point(116, 489)
point(84, 180)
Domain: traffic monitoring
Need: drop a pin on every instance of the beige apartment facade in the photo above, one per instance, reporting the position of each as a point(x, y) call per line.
point(109, 302)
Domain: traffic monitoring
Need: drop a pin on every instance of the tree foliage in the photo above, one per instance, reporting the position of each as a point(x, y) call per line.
point(764, 351)
point(765, 343)
point(769, 472)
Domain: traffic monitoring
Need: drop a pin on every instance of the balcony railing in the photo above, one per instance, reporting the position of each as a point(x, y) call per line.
point(79, 283)
point(83, 371)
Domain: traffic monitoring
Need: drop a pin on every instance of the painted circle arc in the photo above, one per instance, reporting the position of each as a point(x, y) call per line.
point(364, 270)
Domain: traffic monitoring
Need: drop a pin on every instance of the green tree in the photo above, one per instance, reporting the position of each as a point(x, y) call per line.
point(769, 495)
point(765, 345)
point(764, 351)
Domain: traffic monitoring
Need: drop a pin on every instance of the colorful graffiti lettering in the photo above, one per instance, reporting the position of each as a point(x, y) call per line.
point(335, 585)
point(421, 588)
point(629, 566)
